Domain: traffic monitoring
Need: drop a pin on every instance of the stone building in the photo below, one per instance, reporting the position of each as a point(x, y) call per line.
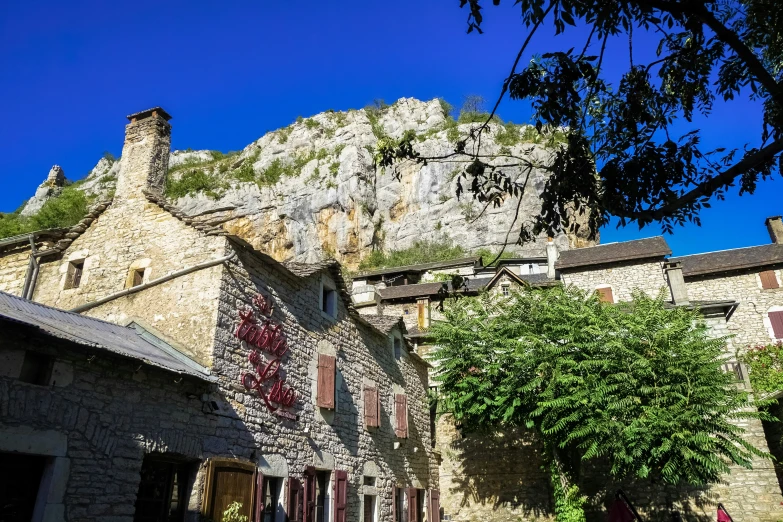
point(273, 391)
point(498, 477)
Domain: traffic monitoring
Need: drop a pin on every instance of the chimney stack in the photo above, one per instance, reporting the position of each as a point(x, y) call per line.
point(676, 280)
point(145, 155)
point(551, 257)
point(775, 228)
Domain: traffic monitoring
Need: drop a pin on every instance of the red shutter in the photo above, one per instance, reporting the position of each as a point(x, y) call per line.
point(259, 510)
point(776, 318)
point(340, 495)
point(413, 505)
point(308, 513)
point(768, 280)
point(295, 495)
point(371, 407)
point(394, 503)
point(326, 371)
point(433, 506)
point(401, 415)
point(605, 295)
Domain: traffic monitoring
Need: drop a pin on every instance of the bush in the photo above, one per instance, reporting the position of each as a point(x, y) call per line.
point(192, 182)
point(446, 107)
point(65, 210)
point(765, 365)
point(420, 252)
point(508, 135)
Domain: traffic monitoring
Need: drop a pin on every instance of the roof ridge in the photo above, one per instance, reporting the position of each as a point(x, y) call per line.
point(724, 250)
point(163, 202)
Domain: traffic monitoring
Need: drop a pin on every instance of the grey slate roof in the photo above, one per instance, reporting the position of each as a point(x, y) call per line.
point(728, 260)
point(614, 252)
point(135, 343)
point(384, 323)
point(473, 284)
point(422, 267)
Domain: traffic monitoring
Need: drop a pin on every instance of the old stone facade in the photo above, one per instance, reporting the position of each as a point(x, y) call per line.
point(117, 424)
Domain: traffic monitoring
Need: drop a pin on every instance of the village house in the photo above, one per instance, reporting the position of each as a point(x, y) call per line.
point(157, 369)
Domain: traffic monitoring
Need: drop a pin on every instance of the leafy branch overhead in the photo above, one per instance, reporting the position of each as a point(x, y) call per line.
point(630, 148)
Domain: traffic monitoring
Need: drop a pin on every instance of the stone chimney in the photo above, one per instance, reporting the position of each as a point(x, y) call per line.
point(145, 155)
point(775, 228)
point(676, 280)
point(551, 257)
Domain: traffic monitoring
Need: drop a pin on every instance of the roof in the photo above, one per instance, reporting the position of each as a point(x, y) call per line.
point(728, 260)
point(148, 112)
point(50, 233)
point(472, 285)
point(614, 252)
point(422, 267)
point(384, 323)
point(132, 342)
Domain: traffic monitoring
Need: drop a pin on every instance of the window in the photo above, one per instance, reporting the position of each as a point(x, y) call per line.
point(369, 481)
point(340, 496)
point(401, 415)
point(295, 506)
point(73, 277)
point(406, 311)
point(162, 495)
point(328, 300)
point(321, 494)
point(397, 345)
point(228, 482)
point(369, 508)
point(776, 321)
point(371, 408)
point(326, 378)
point(400, 506)
point(433, 506)
point(768, 280)
point(605, 294)
point(506, 290)
point(136, 277)
point(270, 496)
point(36, 368)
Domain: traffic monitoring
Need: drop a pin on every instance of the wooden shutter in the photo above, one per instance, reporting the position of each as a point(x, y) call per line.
point(340, 495)
point(228, 483)
point(371, 407)
point(401, 415)
point(259, 510)
point(295, 494)
point(326, 373)
point(605, 295)
point(768, 280)
point(776, 318)
point(309, 495)
point(413, 505)
point(394, 503)
point(433, 506)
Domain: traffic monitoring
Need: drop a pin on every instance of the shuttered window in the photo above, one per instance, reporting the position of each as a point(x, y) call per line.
point(229, 482)
point(413, 504)
point(340, 495)
point(326, 374)
point(401, 415)
point(73, 277)
point(433, 506)
point(294, 500)
point(605, 295)
point(776, 318)
point(768, 280)
point(371, 407)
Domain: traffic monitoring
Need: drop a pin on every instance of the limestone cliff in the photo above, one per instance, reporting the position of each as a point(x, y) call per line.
point(311, 190)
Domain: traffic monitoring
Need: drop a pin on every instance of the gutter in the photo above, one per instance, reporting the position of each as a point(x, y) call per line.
point(154, 282)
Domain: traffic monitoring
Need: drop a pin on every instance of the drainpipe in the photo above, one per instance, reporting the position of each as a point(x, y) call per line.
point(32, 270)
point(154, 282)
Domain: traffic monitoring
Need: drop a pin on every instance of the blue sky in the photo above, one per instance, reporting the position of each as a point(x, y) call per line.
point(228, 72)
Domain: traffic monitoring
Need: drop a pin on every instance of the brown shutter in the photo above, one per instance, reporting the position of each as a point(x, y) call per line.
point(433, 506)
point(768, 280)
point(308, 513)
point(422, 322)
point(401, 415)
point(412, 504)
point(326, 371)
point(340, 495)
point(295, 495)
point(259, 508)
point(776, 318)
point(394, 503)
point(605, 295)
point(371, 413)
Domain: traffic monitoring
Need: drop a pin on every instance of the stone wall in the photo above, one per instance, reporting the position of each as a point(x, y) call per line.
point(748, 323)
point(13, 267)
point(623, 278)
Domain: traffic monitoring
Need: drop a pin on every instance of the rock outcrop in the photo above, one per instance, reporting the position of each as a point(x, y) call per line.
point(311, 190)
point(49, 188)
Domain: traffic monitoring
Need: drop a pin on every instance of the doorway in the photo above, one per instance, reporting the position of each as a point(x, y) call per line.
point(19, 483)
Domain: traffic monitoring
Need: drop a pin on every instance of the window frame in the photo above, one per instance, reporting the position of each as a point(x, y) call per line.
point(74, 273)
point(327, 300)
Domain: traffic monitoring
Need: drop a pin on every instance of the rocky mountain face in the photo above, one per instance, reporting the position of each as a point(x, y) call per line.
point(311, 190)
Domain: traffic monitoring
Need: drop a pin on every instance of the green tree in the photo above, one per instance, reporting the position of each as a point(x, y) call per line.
point(638, 385)
point(630, 150)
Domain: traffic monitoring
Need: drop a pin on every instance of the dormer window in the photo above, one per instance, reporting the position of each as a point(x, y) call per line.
point(73, 277)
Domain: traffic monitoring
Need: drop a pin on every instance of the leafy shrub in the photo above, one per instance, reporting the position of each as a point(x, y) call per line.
point(334, 168)
point(271, 174)
point(311, 124)
point(419, 252)
point(446, 107)
point(765, 365)
point(245, 172)
point(487, 256)
point(283, 134)
point(65, 210)
point(508, 135)
point(192, 182)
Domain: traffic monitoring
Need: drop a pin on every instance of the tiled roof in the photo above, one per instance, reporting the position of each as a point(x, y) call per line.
point(614, 252)
point(135, 343)
point(472, 285)
point(52, 234)
point(422, 267)
point(728, 260)
point(384, 323)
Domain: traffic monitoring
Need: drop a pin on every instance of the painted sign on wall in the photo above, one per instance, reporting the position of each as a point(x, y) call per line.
point(264, 336)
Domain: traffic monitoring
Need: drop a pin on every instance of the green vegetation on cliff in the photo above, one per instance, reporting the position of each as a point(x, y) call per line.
point(62, 211)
